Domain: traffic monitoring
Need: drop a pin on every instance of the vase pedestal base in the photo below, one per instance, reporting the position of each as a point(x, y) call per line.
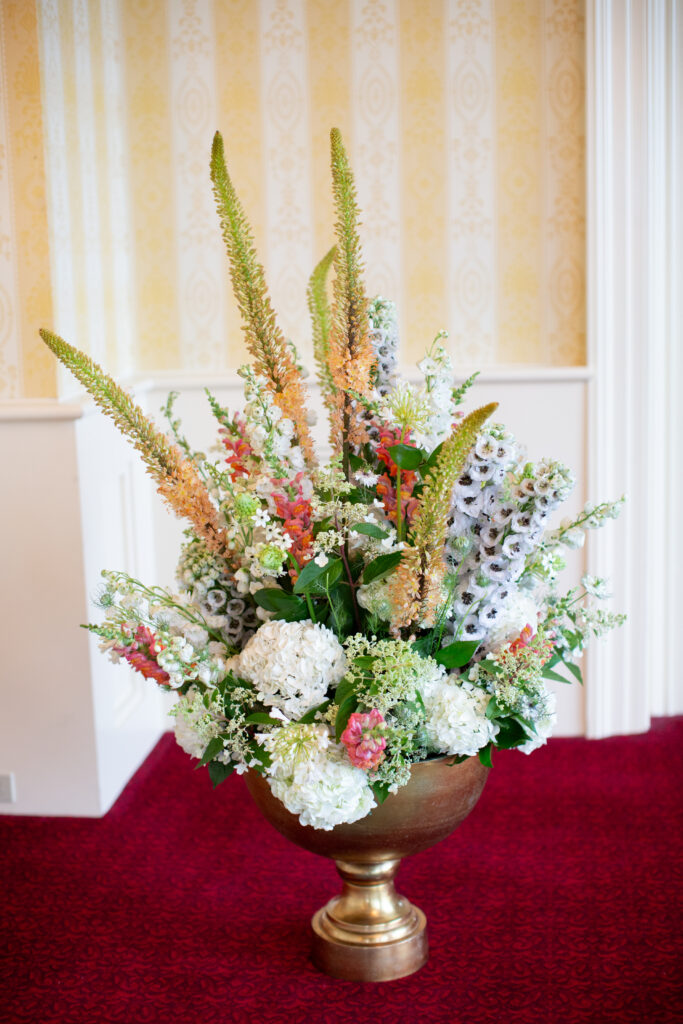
point(369, 933)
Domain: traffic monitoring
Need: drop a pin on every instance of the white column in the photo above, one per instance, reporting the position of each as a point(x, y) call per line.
point(634, 224)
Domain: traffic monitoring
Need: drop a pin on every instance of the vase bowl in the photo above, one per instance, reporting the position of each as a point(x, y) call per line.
point(370, 932)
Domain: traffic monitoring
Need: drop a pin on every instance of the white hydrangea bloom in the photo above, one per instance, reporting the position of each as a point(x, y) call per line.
point(195, 726)
point(292, 665)
point(544, 726)
point(456, 721)
point(314, 778)
point(518, 611)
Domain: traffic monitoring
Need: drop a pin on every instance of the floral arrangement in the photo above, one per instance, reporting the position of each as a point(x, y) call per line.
point(337, 622)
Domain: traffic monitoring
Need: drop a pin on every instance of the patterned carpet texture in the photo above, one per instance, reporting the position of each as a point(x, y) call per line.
point(557, 901)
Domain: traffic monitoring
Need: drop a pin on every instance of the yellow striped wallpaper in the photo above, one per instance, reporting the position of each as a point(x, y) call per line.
point(464, 120)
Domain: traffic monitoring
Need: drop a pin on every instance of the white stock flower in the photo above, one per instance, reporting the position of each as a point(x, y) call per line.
point(456, 721)
point(292, 665)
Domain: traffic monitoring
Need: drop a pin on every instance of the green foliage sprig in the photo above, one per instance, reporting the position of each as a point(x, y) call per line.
point(321, 319)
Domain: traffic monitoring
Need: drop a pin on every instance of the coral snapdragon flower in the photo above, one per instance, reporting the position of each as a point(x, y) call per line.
point(523, 640)
point(144, 661)
point(364, 739)
point(296, 514)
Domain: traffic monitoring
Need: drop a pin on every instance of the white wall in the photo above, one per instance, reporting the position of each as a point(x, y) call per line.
point(73, 727)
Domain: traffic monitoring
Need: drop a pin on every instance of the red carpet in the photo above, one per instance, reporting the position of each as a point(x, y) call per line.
point(557, 901)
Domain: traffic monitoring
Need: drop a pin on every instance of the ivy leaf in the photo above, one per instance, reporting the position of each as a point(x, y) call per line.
point(406, 456)
point(381, 791)
point(456, 654)
point(370, 530)
point(317, 578)
point(220, 772)
point(346, 709)
point(380, 566)
point(309, 717)
point(214, 746)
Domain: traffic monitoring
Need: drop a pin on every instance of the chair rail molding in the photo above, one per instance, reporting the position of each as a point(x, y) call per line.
point(633, 127)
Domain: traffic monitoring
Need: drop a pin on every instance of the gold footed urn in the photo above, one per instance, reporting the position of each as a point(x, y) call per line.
point(370, 932)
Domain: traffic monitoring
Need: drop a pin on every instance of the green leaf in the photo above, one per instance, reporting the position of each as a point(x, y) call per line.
point(316, 578)
point(344, 689)
point(275, 600)
point(260, 754)
point(214, 746)
point(309, 717)
point(485, 756)
point(575, 671)
point(381, 791)
point(548, 673)
point(346, 709)
point(424, 645)
point(261, 718)
point(511, 734)
point(458, 759)
point(456, 654)
point(492, 709)
point(370, 530)
point(406, 456)
point(340, 619)
point(433, 458)
point(220, 772)
point(380, 566)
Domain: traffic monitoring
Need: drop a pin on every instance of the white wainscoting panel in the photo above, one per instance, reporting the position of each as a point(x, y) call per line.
point(73, 727)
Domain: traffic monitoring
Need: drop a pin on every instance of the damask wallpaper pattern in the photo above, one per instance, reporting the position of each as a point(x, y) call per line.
point(465, 124)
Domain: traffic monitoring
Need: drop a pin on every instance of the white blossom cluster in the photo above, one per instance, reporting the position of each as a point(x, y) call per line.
point(314, 778)
point(496, 522)
point(437, 369)
point(292, 665)
point(544, 724)
point(269, 433)
point(184, 649)
point(212, 589)
point(384, 339)
point(196, 724)
point(456, 721)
